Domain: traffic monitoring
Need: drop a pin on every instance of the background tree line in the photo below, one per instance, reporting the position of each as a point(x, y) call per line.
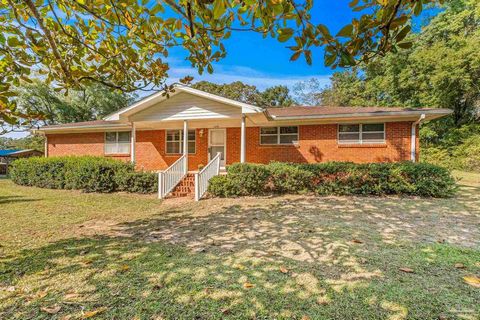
point(440, 70)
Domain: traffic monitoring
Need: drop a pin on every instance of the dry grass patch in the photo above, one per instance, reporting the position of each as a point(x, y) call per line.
point(70, 254)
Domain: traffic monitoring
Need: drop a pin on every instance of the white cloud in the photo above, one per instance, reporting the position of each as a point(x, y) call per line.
point(247, 75)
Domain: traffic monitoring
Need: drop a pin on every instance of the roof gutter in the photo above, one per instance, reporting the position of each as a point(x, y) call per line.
point(359, 114)
point(413, 149)
point(100, 126)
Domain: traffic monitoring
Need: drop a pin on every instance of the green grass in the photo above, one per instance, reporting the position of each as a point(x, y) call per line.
point(129, 256)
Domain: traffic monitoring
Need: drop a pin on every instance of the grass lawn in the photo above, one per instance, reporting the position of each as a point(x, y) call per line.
point(70, 255)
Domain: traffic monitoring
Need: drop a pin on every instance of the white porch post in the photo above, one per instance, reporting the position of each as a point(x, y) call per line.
point(242, 140)
point(46, 146)
point(185, 144)
point(133, 140)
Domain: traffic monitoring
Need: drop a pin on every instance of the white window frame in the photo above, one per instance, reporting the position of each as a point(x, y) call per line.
point(116, 143)
point(180, 141)
point(360, 132)
point(278, 135)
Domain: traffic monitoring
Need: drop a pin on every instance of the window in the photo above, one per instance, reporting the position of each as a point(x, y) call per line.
point(278, 135)
point(117, 142)
point(361, 133)
point(175, 141)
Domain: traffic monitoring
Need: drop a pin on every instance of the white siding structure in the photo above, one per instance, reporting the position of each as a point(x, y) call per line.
point(185, 106)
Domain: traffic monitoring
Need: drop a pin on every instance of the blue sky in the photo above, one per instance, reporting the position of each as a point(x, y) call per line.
point(265, 62)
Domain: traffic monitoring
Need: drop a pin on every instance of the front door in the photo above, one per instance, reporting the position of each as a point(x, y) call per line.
point(216, 143)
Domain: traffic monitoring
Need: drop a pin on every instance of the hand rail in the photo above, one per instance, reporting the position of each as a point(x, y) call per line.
point(201, 179)
point(168, 179)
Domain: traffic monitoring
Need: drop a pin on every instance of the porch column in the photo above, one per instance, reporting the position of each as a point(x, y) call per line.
point(46, 146)
point(185, 144)
point(242, 140)
point(132, 143)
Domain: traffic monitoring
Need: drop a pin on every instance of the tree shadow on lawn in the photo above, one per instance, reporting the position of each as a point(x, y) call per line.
point(334, 257)
point(12, 199)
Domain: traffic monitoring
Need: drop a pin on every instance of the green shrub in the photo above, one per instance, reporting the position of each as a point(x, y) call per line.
point(289, 178)
point(137, 182)
point(94, 174)
point(337, 178)
point(223, 186)
point(249, 178)
point(467, 155)
point(86, 173)
point(38, 171)
point(437, 156)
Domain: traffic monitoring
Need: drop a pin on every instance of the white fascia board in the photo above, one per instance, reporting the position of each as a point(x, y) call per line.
point(87, 128)
point(434, 113)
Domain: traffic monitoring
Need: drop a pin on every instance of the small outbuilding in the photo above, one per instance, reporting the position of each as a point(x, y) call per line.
point(7, 156)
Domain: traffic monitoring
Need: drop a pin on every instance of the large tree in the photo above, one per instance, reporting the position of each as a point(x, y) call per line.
point(276, 96)
point(442, 69)
point(93, 102)
point(123, 43)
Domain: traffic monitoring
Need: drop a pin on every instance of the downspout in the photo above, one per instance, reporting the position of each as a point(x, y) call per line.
point(413, 149)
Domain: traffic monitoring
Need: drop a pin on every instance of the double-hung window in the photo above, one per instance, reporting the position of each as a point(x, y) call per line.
point(117, 142)
point(361, 133)
point(278, 135)
point(175, 141)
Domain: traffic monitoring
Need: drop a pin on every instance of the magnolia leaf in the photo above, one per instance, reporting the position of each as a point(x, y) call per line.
point(403, 33)
point(323, 30)
point(407, 270)
point(347, 59)
point(398, 21)
point(41, 294)
point(13, 42)
point(218, 9)
point(284, 34)
point(405, 45)
point(295, 55)
point(330, 59)
point(283, 269)
point(346, 31)
point(357, 241)
point(248, 285)
point(93, 313)
point(308, 56)
point(459, 266)
point(51, 310)
point(418, 8)
point(353, 3)
point(473, 281)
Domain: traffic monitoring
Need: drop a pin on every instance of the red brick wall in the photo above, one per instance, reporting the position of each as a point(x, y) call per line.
point(150, 151)
point(150, 147)
point(318, 143)
point(79, 144)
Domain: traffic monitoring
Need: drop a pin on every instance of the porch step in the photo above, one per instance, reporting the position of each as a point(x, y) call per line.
point(185, 188)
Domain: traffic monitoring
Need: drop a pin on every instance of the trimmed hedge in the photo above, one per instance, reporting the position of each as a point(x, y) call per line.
point(86, 173)
point(335, 178)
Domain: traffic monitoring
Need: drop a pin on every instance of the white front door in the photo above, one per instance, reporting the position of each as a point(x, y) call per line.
point(217, 143)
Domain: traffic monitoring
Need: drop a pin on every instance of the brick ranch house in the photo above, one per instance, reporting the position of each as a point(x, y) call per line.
point(156, 131)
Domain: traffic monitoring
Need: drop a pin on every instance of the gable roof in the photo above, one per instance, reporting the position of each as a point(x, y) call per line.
point(160, 96)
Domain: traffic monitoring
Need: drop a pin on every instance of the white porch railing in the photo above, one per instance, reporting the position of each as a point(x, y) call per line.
point(201, 179)
point(168, 179)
